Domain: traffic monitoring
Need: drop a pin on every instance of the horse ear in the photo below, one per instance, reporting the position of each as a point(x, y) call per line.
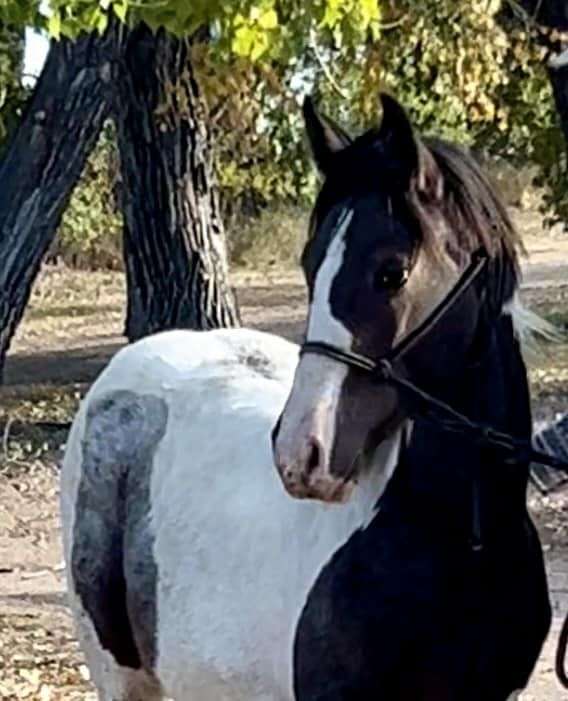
point(326, 138)
point(397, 134)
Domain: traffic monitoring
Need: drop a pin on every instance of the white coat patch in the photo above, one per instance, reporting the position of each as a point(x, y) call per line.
point(322, 325)
point(235, 555)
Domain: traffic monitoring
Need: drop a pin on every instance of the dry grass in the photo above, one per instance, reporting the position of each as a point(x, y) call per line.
point(274, 239)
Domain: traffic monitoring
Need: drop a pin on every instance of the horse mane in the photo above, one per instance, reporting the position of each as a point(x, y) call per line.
point(478, 217)
point(470, 215)
point(472, 205)
point(532, 330)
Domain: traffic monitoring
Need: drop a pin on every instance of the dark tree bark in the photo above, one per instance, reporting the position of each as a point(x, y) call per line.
point(548, 13)
point(559, 81)
point(174, 243)
point(553, 14)
point(44, 160)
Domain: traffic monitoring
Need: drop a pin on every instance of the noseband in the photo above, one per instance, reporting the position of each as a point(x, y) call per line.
point(428, 407)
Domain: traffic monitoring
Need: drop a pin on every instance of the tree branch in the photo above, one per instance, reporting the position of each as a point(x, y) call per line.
point(325, 69)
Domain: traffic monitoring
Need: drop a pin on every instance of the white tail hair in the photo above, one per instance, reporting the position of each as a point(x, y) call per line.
point(531, 329)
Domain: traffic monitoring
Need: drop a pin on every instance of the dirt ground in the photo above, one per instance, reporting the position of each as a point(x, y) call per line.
point(72, 327)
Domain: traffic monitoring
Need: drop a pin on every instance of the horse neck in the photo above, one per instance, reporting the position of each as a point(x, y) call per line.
point(434, 480)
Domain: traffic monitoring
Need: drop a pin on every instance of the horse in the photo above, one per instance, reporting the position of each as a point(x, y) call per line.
point(242, 520)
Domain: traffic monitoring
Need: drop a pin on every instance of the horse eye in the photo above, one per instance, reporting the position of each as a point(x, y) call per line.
point(390, 278)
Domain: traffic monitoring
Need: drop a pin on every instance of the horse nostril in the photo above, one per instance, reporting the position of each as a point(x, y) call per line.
point(313, 456)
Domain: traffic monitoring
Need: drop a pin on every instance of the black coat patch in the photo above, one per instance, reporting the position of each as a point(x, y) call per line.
point(406, 610)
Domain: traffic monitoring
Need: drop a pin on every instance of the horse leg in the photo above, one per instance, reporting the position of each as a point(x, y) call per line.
point(127, 685)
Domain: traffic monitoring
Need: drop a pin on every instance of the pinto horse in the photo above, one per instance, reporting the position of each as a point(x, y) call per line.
point(385, 557)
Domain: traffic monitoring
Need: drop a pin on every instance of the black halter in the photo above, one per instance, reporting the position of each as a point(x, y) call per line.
point(426, 406)
point(421, 402)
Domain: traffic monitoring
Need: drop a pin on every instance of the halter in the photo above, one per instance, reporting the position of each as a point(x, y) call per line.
point(425, 405)
point(428, 407)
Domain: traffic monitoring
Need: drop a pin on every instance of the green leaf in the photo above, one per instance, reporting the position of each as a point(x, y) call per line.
point(120, 10)
point(102, 22)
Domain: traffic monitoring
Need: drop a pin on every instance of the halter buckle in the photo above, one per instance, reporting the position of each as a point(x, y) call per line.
point(383, 370)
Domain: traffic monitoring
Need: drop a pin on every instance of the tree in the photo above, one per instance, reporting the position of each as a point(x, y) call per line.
point(175, 253)
point(547, 22)
point(174, 245)
point(471, 71)
point(450, 61)
point(553, 15)
point(43, 161)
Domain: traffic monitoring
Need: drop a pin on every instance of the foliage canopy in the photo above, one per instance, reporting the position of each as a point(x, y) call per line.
point(253, 28)
point(464, 69)
point(12, 93)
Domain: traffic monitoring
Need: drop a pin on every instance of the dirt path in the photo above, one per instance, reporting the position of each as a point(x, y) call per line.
point(72, 327)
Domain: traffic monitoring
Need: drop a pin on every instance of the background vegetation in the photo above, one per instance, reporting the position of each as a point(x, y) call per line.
point(473, 71)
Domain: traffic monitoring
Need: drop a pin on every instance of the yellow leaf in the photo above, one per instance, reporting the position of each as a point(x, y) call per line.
point(54, 25)
point(102, 22)
point(369, 11)
point(268, 20)
point(243, 41)
point(260, 47)
point(333, 13)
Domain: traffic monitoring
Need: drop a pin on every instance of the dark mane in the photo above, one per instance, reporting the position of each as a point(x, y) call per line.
point(470, 214)
point(472, 206)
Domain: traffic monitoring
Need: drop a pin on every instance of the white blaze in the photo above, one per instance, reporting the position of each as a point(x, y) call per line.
point(322, 325)
point(312, 405)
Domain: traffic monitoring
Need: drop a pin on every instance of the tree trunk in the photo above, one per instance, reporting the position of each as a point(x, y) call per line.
point(174, 243)
point(553, 14)
point(559, 81)
point(549, 13)
point(44, 160)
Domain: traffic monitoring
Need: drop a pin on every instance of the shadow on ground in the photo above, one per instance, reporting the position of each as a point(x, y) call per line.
point(278, 309)
point(73, 365)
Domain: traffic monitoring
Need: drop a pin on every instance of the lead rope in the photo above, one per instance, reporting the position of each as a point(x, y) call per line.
point(436, 411)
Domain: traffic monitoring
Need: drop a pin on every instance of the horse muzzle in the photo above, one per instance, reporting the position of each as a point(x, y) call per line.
point(303, 461)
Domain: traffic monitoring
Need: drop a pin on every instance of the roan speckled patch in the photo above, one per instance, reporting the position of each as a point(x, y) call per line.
point(113, 540)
